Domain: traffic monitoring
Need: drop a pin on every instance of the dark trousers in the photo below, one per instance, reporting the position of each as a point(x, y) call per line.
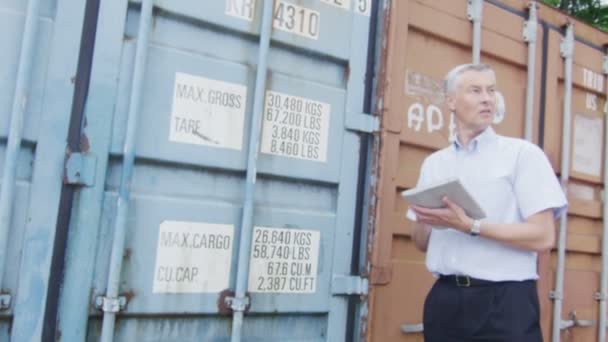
point(501, 311)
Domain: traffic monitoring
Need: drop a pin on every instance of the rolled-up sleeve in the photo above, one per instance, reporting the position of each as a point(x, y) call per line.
point(535, 185)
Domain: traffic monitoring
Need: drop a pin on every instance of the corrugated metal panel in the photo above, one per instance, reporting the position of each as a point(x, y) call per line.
point(425, 40)
point(436, 38)
point(36, 89)
point(584, 225)
point(188, 189)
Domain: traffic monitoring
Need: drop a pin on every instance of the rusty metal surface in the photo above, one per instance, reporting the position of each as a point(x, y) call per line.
point(422, 41)
point(583, 246)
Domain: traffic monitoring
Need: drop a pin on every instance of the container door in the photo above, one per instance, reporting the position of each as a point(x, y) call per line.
point(188, 187)
point(582, 269)
point(425, 40)
point(40, 42)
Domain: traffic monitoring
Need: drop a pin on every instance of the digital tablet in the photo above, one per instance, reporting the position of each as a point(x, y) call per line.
point(430, 197)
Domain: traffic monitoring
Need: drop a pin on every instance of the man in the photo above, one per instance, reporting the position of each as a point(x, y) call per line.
point(486, 287)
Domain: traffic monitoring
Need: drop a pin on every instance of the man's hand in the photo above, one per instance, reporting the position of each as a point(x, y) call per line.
point(452, 216)
point(537, 233)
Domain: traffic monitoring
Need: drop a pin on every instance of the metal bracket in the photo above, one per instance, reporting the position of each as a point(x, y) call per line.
point(474, 10)
point(5, 301)
point(600, 296)
point(412, 328)
point(237, 304)
point(362, 122)
point(566, 48)
point(556, 295)
point(605, 64)
point(574, 322)
point(530, 24)
point(346, 285)
point(110, 304)
point(80, 169)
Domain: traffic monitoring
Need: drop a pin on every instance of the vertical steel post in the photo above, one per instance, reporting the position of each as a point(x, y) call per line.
point(239, 302)
point(601, 296)
point(111, 305)
point(530, 37)
point(75, 295)
point(474, 13)
point(567, 51)
point(15, 130)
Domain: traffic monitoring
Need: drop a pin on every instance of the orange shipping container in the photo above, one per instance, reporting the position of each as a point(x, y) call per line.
point(422, 40)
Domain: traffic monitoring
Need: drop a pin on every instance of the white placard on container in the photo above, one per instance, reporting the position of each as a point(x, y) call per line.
point(343, 4)
point(587, 145)
point(207, 112)
point(193, 257)
point(284, 260)
point(295, 127)
point(242, 9)
point(363, 7)
point(295, 19)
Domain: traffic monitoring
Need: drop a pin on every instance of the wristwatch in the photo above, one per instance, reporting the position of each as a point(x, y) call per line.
point(475, 228)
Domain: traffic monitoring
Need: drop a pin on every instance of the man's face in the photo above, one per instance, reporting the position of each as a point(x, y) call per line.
point(474, 99)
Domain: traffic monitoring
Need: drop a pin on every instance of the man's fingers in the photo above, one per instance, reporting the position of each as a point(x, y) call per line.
point(429, 211)
point(450, 204)
point(425, 218)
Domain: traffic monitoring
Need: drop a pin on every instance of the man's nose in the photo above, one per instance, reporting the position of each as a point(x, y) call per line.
point(486, 96)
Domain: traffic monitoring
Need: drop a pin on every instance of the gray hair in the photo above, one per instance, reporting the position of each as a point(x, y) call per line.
point(453, 76)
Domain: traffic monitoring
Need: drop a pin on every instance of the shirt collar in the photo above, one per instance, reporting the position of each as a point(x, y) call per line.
point(483, 138)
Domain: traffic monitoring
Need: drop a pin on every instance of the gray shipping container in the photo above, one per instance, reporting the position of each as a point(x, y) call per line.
point(181, 170)
point(40, 41)
point(186, 171)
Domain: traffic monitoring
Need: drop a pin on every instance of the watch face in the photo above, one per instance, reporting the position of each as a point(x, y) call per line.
point(475, 229)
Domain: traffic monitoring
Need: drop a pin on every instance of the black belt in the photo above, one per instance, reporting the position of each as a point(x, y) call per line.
point(466, 281)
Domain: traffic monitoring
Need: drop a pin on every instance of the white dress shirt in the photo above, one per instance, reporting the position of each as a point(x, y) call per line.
point(512, 180)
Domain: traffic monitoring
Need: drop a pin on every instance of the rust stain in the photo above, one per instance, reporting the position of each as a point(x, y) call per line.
point(222, 306)
point(65, 165)
point(84, 143)
point(130, 294)
point(379, 110)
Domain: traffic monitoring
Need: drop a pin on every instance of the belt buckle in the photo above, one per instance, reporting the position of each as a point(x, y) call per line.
point(463, 281)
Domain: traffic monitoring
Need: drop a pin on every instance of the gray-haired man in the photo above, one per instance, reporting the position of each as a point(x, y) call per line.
point(486, 287)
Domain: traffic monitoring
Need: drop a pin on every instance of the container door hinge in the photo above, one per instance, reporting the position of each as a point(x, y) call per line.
point(346, 285)
point(600, 296)
point(110, 304)
point(530, 24)
point(5, 301)
point(575, 322)
point(238, 304)
point(566, 48)
point(362, 123)
point(80, 169)
point(412, 328)
point(555, 295)
point(474, 10)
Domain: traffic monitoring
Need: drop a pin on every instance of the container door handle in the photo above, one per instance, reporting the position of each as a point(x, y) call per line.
point(412, 328)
